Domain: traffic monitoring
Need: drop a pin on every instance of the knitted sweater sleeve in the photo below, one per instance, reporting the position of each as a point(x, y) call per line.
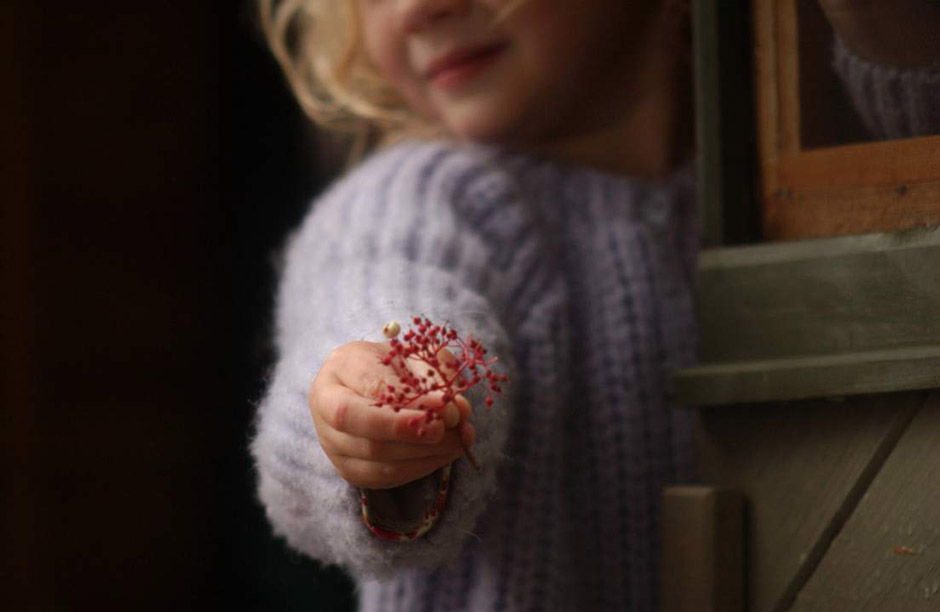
point(892, 102)
point(398, 237)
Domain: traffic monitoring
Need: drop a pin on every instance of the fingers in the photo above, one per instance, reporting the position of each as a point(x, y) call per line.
point(344, 445)
point(463, 406)
point(358, 366)
point(457, 412)
point(377, 447)
point(452, 413)
point(467, 433)
point(377, 475)
point(337, 408)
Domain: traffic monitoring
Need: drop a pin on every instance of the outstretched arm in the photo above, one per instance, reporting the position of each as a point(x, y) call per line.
point(387, 245)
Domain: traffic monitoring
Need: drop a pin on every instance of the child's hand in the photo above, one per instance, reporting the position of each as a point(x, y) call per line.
point(372, 447)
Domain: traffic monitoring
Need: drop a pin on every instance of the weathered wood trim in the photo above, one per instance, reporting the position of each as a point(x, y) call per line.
point(891, 162)
point(788, 75)
point(703, 550)
point(726, 131)
point(708, 120)
point(784, 252)
point(795, 379)
point(819, 318)
point(899, 205)
point(766, 95)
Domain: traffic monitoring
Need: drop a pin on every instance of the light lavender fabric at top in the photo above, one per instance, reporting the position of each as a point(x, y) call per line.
point(891, 102)
point(583, 284)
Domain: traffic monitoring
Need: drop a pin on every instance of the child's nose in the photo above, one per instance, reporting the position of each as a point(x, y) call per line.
point(416, 15)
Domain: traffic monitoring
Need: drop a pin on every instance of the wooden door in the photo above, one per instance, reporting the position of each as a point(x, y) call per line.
point(817, 389)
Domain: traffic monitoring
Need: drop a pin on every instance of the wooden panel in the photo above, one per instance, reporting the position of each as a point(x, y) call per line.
point(801, 467)
point(804, 378)
point(703, 550)
point(855, 189)
point(892, 163)
point(887, 556)
point(766, 96)
point(795, 213)
point(820, 297)
point(788, 70)
point(817, 318)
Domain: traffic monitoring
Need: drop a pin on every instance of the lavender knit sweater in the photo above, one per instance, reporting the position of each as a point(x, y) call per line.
point(583, 284)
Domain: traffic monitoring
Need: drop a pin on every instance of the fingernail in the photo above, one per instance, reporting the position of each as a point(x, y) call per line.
point(468, 435)
point(451, 415)
point(463, 404)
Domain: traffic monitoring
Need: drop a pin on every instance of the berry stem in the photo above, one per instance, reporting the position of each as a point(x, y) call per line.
point(425, 342)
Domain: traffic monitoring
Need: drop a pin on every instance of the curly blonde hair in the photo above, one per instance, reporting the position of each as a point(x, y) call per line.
point(319, 46)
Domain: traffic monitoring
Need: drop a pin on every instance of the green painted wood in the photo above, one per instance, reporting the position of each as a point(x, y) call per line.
point(817, 318)
point(802, 468)
point(886, 558)
point(799, 250)
point(821, 297)
point(804, 378)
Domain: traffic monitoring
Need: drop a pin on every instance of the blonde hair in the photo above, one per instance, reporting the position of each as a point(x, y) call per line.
point(320, 48)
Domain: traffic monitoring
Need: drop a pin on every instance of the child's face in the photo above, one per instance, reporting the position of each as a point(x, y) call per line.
point(545, 71)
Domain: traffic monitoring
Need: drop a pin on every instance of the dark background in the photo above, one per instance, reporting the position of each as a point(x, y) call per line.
point(152, 161)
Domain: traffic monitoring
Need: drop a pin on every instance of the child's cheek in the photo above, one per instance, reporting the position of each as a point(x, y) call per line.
point(391, 61)
point(410, 87)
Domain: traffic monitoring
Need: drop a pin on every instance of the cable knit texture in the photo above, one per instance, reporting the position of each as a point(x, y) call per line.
point(892, 102)
point(582, 283)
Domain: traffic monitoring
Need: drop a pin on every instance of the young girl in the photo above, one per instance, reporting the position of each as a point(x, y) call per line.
point(544, 205)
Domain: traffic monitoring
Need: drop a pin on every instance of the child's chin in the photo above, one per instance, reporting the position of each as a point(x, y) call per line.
point(484, 132)
point(502, 123)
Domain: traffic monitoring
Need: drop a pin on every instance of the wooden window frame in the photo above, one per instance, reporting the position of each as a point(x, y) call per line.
point(830, 191)
point(800, 319)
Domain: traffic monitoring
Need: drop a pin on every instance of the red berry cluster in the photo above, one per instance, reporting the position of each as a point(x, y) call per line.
point(424, 342)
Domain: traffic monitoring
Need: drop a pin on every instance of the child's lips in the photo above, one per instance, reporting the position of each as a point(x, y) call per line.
point(457, 67)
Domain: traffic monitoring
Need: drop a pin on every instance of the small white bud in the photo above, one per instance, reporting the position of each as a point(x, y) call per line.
point(391, 329)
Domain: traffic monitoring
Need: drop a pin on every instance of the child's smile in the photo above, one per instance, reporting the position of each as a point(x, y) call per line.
point(458, 66)
point(517, 78)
